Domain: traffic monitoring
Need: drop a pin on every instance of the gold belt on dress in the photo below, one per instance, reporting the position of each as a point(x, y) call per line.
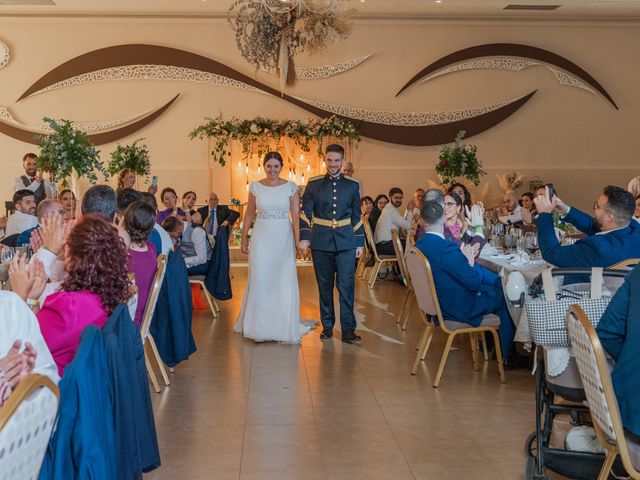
point(331, 223)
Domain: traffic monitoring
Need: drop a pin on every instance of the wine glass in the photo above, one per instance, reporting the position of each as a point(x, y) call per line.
point(509, 241)
point(531, 239)
point(7, 254)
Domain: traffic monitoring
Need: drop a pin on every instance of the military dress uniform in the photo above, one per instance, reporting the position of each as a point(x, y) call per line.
point(330, 220)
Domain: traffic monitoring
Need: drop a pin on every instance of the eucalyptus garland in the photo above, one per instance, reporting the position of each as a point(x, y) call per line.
point(258, 136)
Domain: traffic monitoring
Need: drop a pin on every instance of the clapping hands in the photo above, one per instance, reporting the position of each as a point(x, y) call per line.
point(475, 215)
point(27, 280)
point(17, 365)
point(470, 251)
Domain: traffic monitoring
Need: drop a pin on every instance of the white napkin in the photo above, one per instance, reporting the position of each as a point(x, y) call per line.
point(557, 360)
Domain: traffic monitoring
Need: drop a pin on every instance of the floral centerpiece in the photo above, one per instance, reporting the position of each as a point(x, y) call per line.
point(269, 33)
point(67, 150)
point(134, 157)
point(259, 135)
point(459, 161)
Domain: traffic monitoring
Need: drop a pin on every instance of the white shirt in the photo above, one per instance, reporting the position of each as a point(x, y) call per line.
point(516, 216)
point(49, 187)
point(165, 240)
point(201, 243)
point(17, 322)
point(19, 222)
point(390, 219)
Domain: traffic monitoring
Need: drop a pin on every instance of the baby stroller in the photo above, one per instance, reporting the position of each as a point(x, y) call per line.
point(563, 394)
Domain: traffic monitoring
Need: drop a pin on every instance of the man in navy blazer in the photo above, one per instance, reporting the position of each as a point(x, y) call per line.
point(619, 332)
point(466, 291)
point(612, 235)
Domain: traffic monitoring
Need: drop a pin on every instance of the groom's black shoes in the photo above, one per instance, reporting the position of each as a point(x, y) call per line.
point(350, 337)
point(326, 334)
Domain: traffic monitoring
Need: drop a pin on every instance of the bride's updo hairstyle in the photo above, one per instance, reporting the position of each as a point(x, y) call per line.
point(271, 155)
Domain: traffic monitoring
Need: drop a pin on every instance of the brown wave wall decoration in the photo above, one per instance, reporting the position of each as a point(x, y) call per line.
point(28, 136)
point(511, 50)
point(142, 54)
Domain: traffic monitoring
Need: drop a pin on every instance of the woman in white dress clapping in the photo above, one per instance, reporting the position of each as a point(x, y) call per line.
point(271, 304)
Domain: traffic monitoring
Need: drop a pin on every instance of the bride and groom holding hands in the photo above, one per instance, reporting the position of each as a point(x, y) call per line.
point(329, 223)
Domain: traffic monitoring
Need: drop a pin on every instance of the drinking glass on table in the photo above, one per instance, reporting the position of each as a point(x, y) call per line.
point(531, 241)
point(6, 254)
point(509, 241)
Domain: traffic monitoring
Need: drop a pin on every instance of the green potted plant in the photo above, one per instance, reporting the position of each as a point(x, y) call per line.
point(67, 150)
point(134, 157)
point(459, 161)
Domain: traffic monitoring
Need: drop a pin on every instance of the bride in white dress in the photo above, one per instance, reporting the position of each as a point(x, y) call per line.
point(271, 303)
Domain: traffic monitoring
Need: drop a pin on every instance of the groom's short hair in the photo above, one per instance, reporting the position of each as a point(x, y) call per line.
point(334, 147)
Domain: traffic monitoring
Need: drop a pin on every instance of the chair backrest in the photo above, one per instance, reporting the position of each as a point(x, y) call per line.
point(411, 238)
point(26, 422)
point(423, 285)
point(369, 234)
point(595, 376)
point(625, 264)
point(402, 263)
point(152, 300)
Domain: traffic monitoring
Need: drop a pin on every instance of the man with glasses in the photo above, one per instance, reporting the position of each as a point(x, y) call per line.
point(612, 236)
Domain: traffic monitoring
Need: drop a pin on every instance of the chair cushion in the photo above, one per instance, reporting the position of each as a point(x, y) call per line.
point(199, 278)
point(490, 320)
point(634, 449)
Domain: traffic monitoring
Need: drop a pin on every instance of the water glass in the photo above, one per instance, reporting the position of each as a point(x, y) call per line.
point(7, 254)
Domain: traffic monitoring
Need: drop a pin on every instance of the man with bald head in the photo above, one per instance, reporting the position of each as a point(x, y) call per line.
point(216, 216)
point(45, 207)
point(347, 170)
point(511, 210)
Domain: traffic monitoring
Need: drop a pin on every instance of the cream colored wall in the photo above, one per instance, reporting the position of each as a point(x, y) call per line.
point(566, 135)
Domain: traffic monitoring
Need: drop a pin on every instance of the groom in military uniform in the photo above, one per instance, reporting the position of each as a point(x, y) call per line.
point(330, 224)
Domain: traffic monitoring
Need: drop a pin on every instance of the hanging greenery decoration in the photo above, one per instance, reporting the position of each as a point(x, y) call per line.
point(134, 157)
point(257, 136)
point(459, 161)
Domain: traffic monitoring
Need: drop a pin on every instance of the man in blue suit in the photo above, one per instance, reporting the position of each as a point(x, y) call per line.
point(619, 332)
point(612, 236)
point(466, 291)
point(330, 223)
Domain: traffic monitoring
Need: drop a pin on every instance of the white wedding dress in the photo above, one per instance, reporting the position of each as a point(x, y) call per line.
point(271, 304)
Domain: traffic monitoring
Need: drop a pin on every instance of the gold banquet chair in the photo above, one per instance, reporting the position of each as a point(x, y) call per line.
point(629, 263)
point(427, 298)
point(361, 268)
point(409, 298)
point(379, 259)
point(26, 422)
point(213, 306)
point(596, 379)
point(147, 338)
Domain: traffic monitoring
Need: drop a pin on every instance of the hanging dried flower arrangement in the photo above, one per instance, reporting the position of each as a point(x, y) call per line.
point(270, 33)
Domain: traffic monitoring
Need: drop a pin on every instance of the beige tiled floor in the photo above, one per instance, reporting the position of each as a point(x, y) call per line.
point(328, 410)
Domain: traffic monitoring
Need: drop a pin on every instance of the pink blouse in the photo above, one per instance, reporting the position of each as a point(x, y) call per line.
point(62, 319)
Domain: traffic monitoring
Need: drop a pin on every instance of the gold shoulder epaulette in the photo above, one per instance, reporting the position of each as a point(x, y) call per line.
point(317, 177)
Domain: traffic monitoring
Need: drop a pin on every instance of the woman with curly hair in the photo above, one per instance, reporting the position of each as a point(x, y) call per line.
point(95, 259)
point(139, 220)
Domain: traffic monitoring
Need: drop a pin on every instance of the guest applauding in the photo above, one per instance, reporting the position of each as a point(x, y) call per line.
point(96, 263)
point(390, 219)
point(612, 235)
point(169, 199)
point(139, 219)
point(462, 191)
point(68, 201)
point(457, 227)
point(466, 291)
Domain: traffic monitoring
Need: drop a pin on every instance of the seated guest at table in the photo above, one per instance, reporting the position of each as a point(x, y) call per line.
point(462, 192)
point(456, 226)
point(215, 216)
point(366, 205)
point(197, 261)
point(526, 200)
point(68, 201)
point(636, 214)
point(433, 194)
point(188, 201)
point(612, 235)
point(413, 207)
point(378, 205)
point(619, 333)
point(511, 211)
point(139, 219)
point(101, 200)
point(125, 197)
point(22, 348)
point(97, 281)
point(390, 219)
point(634, 186)
point(174, 228)
point(169, 199)
point(466, 291)
point(45, 207)
point(24, 218)
point(159, 238)
point(528, 212)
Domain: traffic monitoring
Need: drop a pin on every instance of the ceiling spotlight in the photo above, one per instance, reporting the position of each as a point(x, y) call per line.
point(438, 1)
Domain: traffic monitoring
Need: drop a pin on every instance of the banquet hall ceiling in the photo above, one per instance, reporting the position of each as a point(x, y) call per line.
point(590, 9)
